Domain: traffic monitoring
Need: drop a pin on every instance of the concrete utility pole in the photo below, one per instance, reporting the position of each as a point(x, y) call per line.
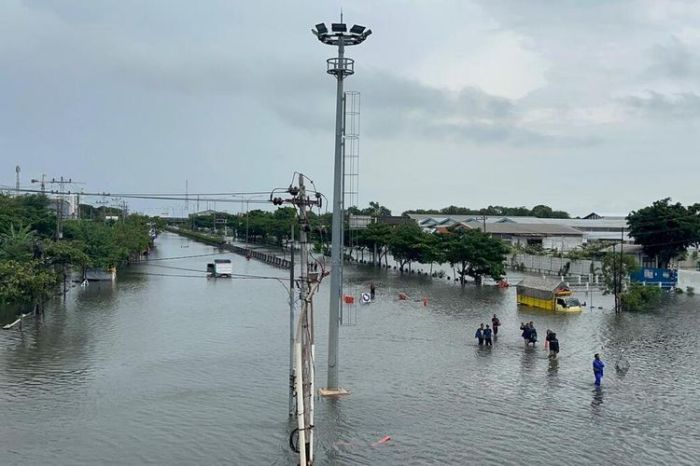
point(292, 288)
point(61, 182)
point(43, 183)
point(60, 214)
point(483, 219)
point(17, 171)
point(302, 372)
point(340, 67)
point(618, 300)
point(614, 267)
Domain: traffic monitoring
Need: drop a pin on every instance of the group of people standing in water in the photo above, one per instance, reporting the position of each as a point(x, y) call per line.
point(551, 341)
point(486, 334)
point(529, 334)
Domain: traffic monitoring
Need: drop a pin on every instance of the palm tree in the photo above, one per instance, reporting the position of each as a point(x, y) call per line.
point(18, 243)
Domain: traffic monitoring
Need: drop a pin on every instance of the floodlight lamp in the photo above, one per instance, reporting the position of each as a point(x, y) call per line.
point(339, 27)
point(321, 28)
point(366, 33)
point(357, 29)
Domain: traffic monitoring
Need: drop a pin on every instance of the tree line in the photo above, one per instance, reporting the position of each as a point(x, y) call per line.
point(260, 226)
point(471, 253)
point(33, 259)
point(540, 211)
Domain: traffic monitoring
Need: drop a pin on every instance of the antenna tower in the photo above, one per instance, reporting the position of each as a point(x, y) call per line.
point(351, 157)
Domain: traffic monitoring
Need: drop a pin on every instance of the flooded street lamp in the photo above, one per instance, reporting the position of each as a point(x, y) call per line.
point(340, 67)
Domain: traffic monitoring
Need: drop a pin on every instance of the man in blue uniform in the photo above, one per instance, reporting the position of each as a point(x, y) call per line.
point(598, 366)
point(487, 336)
point(480, 334)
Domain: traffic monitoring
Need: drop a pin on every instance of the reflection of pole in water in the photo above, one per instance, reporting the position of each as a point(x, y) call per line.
point(622, 365)
point(597, 400)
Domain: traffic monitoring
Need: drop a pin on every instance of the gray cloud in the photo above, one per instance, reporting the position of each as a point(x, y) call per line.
point(94, 89)
point(674, 60)
point(654, 104)
point(397, 107)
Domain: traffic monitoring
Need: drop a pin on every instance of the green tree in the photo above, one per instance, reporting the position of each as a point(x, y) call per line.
point(542, 211)
point(665, 230)
point(65, 252)
point(474, 254)
point(24, 282)
point(375, 209)
point(376, 238)
point(407, 244)
point(281, 223)
point(610, 270)
point(18, 243)
point(30, 211)
point(433, 252)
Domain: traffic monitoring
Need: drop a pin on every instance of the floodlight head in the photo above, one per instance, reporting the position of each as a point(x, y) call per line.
point(339, 27)
point(321, 29)
point(339, 35)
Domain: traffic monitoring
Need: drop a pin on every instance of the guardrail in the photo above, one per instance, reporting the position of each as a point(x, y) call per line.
point(267, 258)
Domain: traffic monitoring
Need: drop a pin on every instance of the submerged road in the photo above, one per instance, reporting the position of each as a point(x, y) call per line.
point(167, 367)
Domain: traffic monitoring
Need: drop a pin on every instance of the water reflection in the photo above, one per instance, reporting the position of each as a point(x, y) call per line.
point(528, 359)
point(597, 401)
point(190, 371)
point(553, 369)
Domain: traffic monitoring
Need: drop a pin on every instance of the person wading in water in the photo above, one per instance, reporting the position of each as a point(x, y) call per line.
point(598, 367)
point(553, 345)
point(487, 336)
point(532, 334)
point(495, 323)
point(480, 334)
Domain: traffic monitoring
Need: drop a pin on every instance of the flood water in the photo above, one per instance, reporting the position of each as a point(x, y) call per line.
point(167, 367)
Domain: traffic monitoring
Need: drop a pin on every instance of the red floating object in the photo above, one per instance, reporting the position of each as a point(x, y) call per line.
point(384, 439)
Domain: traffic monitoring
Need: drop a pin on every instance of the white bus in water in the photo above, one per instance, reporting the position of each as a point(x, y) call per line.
point(221, 268)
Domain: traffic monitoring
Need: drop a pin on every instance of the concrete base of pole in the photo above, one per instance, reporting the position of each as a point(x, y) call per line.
point(333, 392)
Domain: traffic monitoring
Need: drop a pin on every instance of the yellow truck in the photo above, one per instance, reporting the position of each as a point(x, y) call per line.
point(546, 293)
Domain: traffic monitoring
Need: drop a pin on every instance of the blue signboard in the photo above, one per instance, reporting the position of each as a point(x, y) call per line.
point(666, 278)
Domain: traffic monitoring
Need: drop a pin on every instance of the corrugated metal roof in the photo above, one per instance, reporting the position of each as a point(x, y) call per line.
point(541, 283)
point(581, 223)
point(532, 229)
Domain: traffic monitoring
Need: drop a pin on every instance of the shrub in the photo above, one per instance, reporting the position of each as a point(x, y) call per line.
point(640, 298)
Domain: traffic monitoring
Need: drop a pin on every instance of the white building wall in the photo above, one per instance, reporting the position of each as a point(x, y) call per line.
point(558, 242)
point(688, 278)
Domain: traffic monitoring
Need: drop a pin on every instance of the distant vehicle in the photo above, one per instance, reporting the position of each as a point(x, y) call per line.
point(547, 293)
point(100, 275)
point(221, 268)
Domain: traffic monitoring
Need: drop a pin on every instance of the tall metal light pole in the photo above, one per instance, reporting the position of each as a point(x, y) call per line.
point(340, 67)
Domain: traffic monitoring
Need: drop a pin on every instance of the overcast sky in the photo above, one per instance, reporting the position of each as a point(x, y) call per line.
point(584, 105)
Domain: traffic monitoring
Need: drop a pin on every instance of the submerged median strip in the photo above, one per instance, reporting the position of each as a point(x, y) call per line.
point(218, 241)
